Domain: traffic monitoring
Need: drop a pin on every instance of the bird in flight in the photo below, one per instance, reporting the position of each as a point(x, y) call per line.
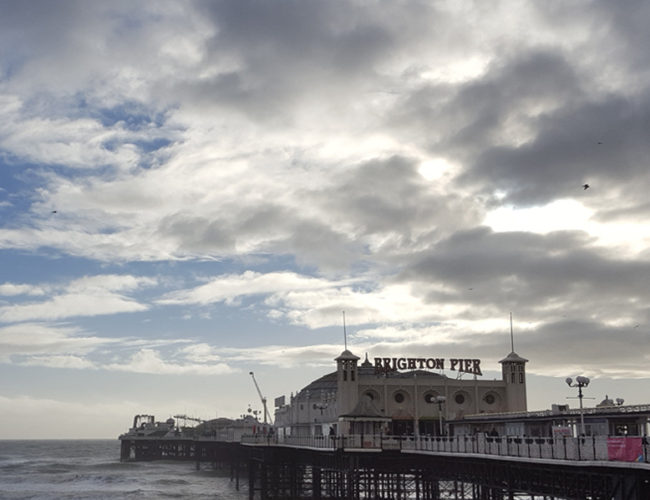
point(53, 211)
point(585, 186)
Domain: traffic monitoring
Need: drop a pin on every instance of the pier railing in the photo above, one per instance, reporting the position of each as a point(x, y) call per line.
point(587, 448)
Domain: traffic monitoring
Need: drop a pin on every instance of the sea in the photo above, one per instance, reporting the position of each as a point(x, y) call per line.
point(91, 469)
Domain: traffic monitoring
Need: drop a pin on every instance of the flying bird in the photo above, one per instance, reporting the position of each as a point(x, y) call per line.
point(53, 211)
point(585, 186)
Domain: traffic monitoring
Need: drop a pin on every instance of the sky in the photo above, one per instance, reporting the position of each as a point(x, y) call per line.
point(191, 191)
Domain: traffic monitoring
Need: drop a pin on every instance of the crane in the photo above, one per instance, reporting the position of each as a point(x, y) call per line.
point(263, 399)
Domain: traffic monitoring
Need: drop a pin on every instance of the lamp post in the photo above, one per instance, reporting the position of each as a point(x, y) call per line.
point(440, 400)
point(580, 382)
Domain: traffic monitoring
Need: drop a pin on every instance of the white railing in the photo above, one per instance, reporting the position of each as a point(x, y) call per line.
point(589, 448)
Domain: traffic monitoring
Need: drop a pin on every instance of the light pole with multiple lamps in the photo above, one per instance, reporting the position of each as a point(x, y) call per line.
point(580, 382)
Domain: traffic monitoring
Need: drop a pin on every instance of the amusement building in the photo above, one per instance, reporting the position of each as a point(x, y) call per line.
point(400, 396)
point(413, 396)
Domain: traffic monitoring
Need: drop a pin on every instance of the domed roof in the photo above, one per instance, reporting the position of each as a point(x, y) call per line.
point(326, 383)
point(605, 402)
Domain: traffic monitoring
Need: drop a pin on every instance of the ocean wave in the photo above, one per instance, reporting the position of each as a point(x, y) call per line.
point(163, 482)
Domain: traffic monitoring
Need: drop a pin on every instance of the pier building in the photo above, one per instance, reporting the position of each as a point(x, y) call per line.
point(399, 396)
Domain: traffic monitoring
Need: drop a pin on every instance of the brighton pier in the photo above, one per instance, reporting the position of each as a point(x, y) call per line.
point(363, 433)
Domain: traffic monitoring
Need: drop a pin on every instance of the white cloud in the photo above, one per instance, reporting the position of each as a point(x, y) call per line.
point(285, 356)
point(58, 361)
point(200, 353)
point(230, 287)
point(87, 296)
point(9, 289)
point(43, 339)
point(150, 361)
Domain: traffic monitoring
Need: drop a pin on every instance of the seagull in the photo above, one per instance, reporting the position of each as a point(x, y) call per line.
point(585, 186)
point(53, 211)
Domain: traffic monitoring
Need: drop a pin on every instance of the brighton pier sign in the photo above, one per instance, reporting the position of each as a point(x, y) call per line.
point(462, 365)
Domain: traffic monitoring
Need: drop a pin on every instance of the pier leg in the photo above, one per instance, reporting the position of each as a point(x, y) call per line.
point(315, 482)
point(251, 480)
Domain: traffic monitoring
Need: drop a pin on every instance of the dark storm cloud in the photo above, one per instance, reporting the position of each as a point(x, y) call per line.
point(469, 115)
point(263, 228)
point(615, 348)
point(604, 144)
point(622, 24)
point(388, 197)
point(196, 234)
point(299, 34)
point(538, 275)
point(269, 58)
point(382, 203)
point(563, 346)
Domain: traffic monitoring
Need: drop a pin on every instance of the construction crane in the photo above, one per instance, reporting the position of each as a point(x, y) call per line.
point(266, 411)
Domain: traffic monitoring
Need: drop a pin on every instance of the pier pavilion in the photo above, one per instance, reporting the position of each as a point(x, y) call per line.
point(399, 396)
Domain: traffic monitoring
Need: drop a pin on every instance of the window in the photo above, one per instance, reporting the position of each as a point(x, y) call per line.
point(490, 399)
point(512, 378)
point(370, 395)
point(459, 398)
point(345, 374)
point(352, 375)
point(430, 397)
point(521, 378)
point(399, 397)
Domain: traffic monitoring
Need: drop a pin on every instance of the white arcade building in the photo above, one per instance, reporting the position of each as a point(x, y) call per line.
point(399, 396)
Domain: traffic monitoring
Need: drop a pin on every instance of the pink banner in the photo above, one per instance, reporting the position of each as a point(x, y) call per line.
point(625, 449)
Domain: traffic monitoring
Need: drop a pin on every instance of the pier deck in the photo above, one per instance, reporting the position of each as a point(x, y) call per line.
point(384, 467)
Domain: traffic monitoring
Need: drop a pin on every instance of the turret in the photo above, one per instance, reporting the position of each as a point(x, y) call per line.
point(514, 375)
point(347, 378)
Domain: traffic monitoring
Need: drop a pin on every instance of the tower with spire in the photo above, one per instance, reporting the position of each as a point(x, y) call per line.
point(513, 369)
point(347, 377)
point(347, 381)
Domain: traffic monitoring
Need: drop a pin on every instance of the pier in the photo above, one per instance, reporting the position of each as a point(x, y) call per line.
point(427, 468)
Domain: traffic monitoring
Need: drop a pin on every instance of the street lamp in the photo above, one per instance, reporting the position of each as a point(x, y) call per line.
point(579, 383)
point(439, 400)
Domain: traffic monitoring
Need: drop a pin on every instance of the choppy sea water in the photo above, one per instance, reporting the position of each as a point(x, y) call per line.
point(91, 469)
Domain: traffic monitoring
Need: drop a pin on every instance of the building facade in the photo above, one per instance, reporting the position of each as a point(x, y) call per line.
point(400, 396)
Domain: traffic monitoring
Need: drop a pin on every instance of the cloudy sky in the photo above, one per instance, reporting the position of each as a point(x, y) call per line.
point(193, 190)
